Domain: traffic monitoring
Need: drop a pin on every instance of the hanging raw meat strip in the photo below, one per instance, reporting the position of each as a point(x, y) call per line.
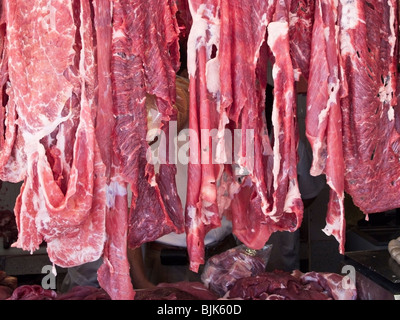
point(80, 215)
point(144, 61)
point(301, 18)
point(7, 112)
point(228, 36)
point(324, 117)
point(243, 30)
point(203, 66)
point(274, 202)
point(113, 275)
point(368, 32)
point(63, 196)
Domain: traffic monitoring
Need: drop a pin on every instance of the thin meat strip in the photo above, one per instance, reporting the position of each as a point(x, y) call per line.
point(287, 212)
point(324, 117)
point(8, 116)
point(202, 213)
point(113, 274)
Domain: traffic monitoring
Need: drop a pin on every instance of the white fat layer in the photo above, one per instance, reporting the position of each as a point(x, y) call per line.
point(345, 44)
point(349, 20)
point(203, 21)
point(333, 89)
point(212, 74)
point(194, 221)
point(334, 228)
point(114, 189)
point(350, 14)
point(327, 33)
point(391, 114)
point(221, 153)
point(264, 201)
point(385, 91)
point(191, 212)
point(392, 37)
point(33, 139)
point(296, 73)
point(276, 149)
point(292, 195)
point(118, 34)
point(276, 29)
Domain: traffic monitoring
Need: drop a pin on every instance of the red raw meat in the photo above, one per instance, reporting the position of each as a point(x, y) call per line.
point(301, 19)
point(8, 114)
point(242, 104)
point(84, 293)
point(203, 171)
point(368, 41)
point(63, 195)
point(280, 285)
point(183, 290)
point(113, 275)
point(287, 212)
point(227, 63)
point(268, 200)
point(324, 116)
point(138, 68)
point(352, 94)
point(335, 285)
point(32, 292)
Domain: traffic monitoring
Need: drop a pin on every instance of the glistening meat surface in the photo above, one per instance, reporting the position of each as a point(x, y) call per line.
point(370, 140)
point(144, 61)
point(324, 115)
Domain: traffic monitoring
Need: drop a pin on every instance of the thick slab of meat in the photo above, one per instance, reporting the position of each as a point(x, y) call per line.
point(63, 196)
point(370, 141)
point(324, 116)
point(145, 59)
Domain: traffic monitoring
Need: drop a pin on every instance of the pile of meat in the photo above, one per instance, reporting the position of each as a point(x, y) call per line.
point(183, 290)
point(36, 292)
point(277, 285)
point(75, 76)
point(222, 270)
point(281, 285)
